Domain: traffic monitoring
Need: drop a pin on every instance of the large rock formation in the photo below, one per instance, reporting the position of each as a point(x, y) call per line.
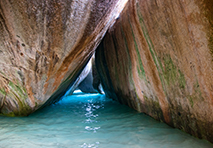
point(158, 59)
point(44, 45)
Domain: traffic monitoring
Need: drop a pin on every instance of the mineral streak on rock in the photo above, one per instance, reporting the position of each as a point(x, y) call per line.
point(157, 58)
point(44, 45)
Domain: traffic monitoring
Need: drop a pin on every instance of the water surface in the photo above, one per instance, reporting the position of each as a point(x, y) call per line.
point(90, 121)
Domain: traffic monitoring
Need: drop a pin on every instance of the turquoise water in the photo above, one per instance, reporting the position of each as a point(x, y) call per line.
point(90, 121)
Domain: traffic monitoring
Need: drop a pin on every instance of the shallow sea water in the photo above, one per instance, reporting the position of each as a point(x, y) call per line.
point(90, 121)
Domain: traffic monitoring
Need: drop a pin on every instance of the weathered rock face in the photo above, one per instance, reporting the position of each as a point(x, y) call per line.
point(158, 59)
point(44, 45)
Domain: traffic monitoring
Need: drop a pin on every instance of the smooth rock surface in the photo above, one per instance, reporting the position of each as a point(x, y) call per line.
point(44, 45)
point(86, 85)
point(158, 59)
point(81, 78)
point(91, 83)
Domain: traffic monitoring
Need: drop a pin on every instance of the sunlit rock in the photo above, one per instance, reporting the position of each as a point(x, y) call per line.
point(88, 81)
point(44, 45)
point(91, 83)
point(158, 59)
point(82, 76)
point(86, 85)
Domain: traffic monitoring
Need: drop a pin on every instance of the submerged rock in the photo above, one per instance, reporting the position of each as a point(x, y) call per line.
point(158, 59)
point(44, 45)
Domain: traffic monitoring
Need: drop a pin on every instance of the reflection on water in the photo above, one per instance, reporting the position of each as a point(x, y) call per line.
point(90, 121)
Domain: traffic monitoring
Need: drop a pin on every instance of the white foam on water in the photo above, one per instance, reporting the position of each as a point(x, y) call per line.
point(91, 121)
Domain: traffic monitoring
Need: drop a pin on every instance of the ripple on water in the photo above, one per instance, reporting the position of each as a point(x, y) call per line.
point(91, 121)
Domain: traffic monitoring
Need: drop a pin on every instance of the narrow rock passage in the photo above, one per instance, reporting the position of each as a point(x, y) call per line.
point(85, 120)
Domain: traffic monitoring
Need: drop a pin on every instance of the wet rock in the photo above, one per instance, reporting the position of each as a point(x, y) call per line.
point(44, 46)
point(158, 59)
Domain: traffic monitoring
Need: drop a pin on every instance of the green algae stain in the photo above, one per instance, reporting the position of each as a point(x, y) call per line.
point(10, 114)
point(19, 95)
point(20, 92)
point(151, 47)
point(175, 78)
point(130, 68)
point(141, 70)
point(172, 74)
point(2, 91)
point(191, 101)
point(148, 39)
point(197, 95)
point(153, 108)
point(181, 80)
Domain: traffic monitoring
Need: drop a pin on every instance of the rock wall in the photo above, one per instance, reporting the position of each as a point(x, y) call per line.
point(44, 45)
point(158, 59)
